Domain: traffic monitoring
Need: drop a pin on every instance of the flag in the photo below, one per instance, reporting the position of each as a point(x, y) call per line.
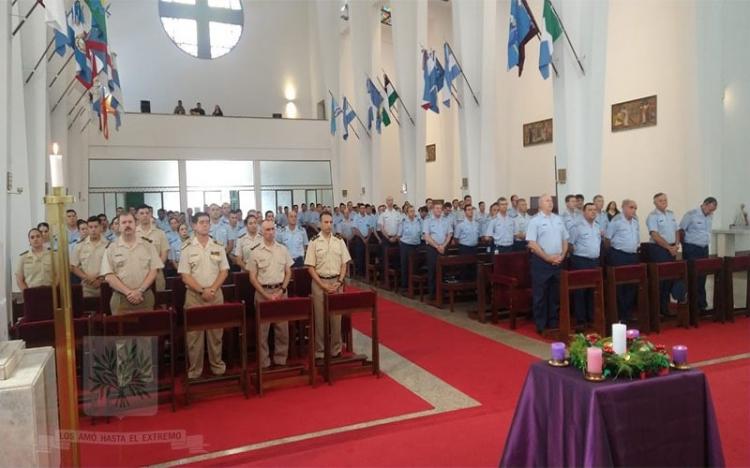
point(445, 93)
point(451, 70)
point(96, 41)
point(551, 30)
point(349, 115)
point(433, 80)
point(375, 97)
point(335, 111)
point(115, 101)
point(385, 117)
point(522, 29)
point(390, 92)
point(370, 118)
point(55, 16)
point(376, 100)
point(78, 29)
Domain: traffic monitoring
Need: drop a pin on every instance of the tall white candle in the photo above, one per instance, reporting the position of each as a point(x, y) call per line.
point(56, 167)
point(619, 341)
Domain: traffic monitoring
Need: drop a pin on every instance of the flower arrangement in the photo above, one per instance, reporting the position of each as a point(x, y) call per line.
point(641, 358)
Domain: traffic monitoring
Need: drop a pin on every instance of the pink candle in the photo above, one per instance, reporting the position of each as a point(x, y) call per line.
point(632, 334)
point(594, 360)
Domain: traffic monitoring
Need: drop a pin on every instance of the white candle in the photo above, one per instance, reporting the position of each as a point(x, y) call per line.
point(56, 167)
point(619, 342)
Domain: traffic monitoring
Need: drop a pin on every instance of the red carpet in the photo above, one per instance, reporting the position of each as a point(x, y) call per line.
point(232, 421)
point(730, 388)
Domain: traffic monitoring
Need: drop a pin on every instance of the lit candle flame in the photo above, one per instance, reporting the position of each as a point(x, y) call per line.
point(55, 148)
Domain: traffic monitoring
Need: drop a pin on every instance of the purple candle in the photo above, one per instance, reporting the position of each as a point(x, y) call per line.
point(679, 354)
point(558, 351)
point(632, 334)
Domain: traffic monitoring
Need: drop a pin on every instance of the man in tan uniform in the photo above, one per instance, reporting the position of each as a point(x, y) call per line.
point(86, 258)
point(270, 268)
point(245, 242)
point(147, 231)
point(129, 266)
point(34, 268)
point(204, 267)
point(326, 260)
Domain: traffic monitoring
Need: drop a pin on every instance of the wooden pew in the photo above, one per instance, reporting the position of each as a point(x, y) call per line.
point(705, 267)
point(629, 274)
point(658, 272)
point(733, 265)
point(509, 280)
point(573, 280)
point(456, 264)
point(417, 273)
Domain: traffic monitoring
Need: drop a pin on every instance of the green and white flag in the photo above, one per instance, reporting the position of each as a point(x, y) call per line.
point(385, 118)
point(390, 92)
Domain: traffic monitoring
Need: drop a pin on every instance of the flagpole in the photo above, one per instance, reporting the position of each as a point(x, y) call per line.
point(67, 88)
point(385, 92)
point(342, 112)
point(70, 57)
point(565, 31)
point(539, 36)
point(78, 114)
point(450, 88)
point(38, 62)
point(398, 96)
point(462, 72)
point(31, 10)
point(85, 91)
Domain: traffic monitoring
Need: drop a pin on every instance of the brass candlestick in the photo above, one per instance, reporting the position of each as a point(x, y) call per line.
point(62, 300)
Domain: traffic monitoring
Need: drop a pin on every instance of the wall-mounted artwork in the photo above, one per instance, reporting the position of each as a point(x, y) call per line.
point(430, 153)
point(634, 114)
point(537, 133)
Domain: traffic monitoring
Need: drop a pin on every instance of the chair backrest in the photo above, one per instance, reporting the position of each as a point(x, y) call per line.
point(351, 301)
point(227, 315)
point(42, 333)
point(583, 278)
point(292, 308)
point(671, 270)
point(79, 306)
point(513, 264)
point(457, 260)
point(738, 263)
point(157, 322)
point(169, 281)
point(37, 304)
point(627, 273)
point(302, 282)
point(243, 288)
point(708, 265)
point(178, 295)
point(104, 297)
point(417, 259)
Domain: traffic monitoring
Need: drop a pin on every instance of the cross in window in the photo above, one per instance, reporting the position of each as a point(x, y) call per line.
point(202, 13)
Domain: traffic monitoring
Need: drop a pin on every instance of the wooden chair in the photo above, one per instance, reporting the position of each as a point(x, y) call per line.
point(456, 264)
point(704, 267)
point(418, 273)
point(510, 286)
point(391, 268)
point(373, 258)
point(574, 280)
point(658, 272)
point(346, 304)
point(158, 323)
point(628, 274)
point(733, 265)
point(300, 329)
point(37, 304)
point(210, 317)
point(42, 332)
point(244, 292)
point(285, 310)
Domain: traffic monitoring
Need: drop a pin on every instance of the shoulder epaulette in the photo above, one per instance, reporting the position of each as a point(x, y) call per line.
point(23, 253)
point(254, 247)
point(218, 243)
point(315, 237)
point(241, 236)
point(107, 246)
point(147, 239)
point(185, 244)
point(80, 241)
point(337, 235)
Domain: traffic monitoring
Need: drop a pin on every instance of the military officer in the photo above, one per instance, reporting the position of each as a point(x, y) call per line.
point(624, 238)
point(409, 238)
point(218, 229)
point(548, 241)
point(204, 267)
point(602, 220)
point(326, 259)
point(156, 236)
point(346, 226)
point(246, 241)
point(86, 259)
point(513, 210)
point(500, 229)
point(585, 242)
point(295, 239)
point(71, 224)
point(570, 214)
point(663, 246)
point(467, 232)
point(34, 268)
point(520, 225)
point(270, 269)
point(388, 223)
point(437, 232)
point(175, 249)
point(361, 229)
point(129, 266)
point(696, 228)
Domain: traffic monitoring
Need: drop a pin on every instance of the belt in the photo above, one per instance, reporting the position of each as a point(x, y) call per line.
point(585, 258)
point(272, 286)
point(624, 252)
point(329, 277)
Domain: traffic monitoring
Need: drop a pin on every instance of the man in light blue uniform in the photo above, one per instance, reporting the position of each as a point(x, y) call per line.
point(663, 246)
point(281, 217)
point(361, 228)
point(346, 227)
point(409, 238)
point(602, 220)
point(500, 229)
point(586, 242)
point(313, 217)
point(218, 230)
point(548, 241)
point(513, 210)
point(520, 225)
point(303, 214)
point(570, 214)
point(624, 237)
point(438, 232)
point(696, 226)
point(295, 239)
point(467, 235)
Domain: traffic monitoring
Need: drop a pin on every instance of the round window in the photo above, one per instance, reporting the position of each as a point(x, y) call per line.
point(205, 29)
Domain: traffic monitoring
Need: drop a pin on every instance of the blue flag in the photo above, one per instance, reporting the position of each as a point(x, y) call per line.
point(335, 111)
point(442, 90)
point(451, 70)
point(374, 112)
point(375, 97)
point(431, 75)
point(522, 29)
point(349, 115)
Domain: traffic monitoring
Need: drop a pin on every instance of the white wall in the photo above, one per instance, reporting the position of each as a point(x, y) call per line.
point(274, 49)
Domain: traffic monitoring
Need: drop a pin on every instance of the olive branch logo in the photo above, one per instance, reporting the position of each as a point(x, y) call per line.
point(122, 372)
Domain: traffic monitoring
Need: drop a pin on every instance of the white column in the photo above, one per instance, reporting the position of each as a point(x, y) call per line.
point(409, 29)
point(579, 111)
point(5, 151)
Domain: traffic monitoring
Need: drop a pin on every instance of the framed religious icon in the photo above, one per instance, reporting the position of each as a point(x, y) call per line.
point(430, 153)
point(634, 114)
point(537, 133)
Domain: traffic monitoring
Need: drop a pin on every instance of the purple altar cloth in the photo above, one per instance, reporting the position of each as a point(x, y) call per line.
point(563, 420)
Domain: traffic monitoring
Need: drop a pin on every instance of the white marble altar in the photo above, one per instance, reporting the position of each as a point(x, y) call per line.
point(28, 412)
point(11, 353)
point(723, 241)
